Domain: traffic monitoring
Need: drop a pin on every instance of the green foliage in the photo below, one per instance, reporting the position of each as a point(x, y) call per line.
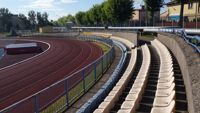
point(42, 19)
point(80, 18)
point(25, 22)
point(109, 12)
point(119, 11)
point(65, 19)
point(10, 22)
point(32, 18)
point(5, 17)
point(152, 6)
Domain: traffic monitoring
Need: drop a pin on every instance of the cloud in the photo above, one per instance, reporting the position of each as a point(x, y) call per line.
point(68, 1)
point(52, 7)
point(41, 4)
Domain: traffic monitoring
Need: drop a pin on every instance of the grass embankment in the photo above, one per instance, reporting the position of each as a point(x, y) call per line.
point(75, 93)
point(147, 37)
point(104, 47)
point(4, 34)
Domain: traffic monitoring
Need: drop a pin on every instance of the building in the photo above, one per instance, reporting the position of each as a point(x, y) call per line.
point(164, 16)
point(140, 16)
point(50, 29)
point(22, 48)
point(191, 11)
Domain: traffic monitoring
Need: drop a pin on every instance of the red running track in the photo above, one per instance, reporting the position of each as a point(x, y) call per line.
point(62, 59)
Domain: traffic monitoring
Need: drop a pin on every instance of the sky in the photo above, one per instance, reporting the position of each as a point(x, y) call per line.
point(55, 8)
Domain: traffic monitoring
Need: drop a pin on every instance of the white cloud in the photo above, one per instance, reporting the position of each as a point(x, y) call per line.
point(41, 4)
point(68, 1)
point(52, 7)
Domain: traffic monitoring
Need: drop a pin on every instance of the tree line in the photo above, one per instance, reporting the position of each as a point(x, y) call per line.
point(33, 21)
point(108, 12)
point(112, 12)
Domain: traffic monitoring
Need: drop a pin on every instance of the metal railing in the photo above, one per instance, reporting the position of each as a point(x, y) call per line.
point(2, 52)
point(94, 102)
point(62, 94)
point(181, 32)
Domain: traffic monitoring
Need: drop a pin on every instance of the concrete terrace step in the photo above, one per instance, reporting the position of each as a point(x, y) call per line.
point(130, 83)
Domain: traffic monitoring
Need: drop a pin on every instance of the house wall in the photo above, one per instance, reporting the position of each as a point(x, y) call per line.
point(136, 15)
point(175, 10)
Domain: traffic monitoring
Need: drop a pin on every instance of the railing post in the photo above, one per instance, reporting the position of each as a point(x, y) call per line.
point(107, 63)
point(102, 65)
point(95, 72)
point(83, 74)
point(66, 92)
point(36, 100)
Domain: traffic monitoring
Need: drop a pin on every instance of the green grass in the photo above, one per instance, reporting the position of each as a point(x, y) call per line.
point(4, 34)
point(104, 47)
point(147, 37)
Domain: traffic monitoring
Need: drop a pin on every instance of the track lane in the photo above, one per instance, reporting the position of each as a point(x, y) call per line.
point(60, 73)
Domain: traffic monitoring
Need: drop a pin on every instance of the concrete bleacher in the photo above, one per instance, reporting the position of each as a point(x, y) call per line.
point(165, 93)
point(164, 100)
point(134, 96)
point(115, 93)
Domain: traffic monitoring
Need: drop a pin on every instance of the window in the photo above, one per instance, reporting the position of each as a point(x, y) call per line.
point(190, 5)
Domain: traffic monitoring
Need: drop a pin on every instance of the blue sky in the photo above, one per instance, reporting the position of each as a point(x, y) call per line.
point(55, 8)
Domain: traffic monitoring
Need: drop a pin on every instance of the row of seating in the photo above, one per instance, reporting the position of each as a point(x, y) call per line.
point(115, 93)
point(133, 98)
point(164, 101)
point(94, 102)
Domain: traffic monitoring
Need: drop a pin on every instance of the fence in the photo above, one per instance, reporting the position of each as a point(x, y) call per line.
point(194, 41)
point(2, 52)
point(94, 102)
point(62, 94)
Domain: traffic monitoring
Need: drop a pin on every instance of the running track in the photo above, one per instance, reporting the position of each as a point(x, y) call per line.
point(62, 59)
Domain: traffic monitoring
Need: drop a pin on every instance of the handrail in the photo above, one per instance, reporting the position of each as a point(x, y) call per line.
point(174, 30)
point(90, 105)
point(35, 96)
point(183, 34)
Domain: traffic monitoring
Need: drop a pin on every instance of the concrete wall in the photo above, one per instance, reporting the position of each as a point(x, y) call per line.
point(172, 44)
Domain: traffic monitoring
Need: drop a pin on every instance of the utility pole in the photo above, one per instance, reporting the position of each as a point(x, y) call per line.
point(196, 13)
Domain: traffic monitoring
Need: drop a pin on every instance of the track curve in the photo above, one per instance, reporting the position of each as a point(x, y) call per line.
point(62, 59)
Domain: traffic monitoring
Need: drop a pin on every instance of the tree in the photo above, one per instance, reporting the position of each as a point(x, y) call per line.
point(45, 19)
point(95, 14)
point(32, 19)
point(5, 17)
point(80, 18)
point(152, 6)
point(119, 11)
point(26, 23)
point(40, 21)
point(63, 20)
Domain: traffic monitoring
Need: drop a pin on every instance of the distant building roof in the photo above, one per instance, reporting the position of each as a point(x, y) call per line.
point(164, 14)
point(22, 45)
